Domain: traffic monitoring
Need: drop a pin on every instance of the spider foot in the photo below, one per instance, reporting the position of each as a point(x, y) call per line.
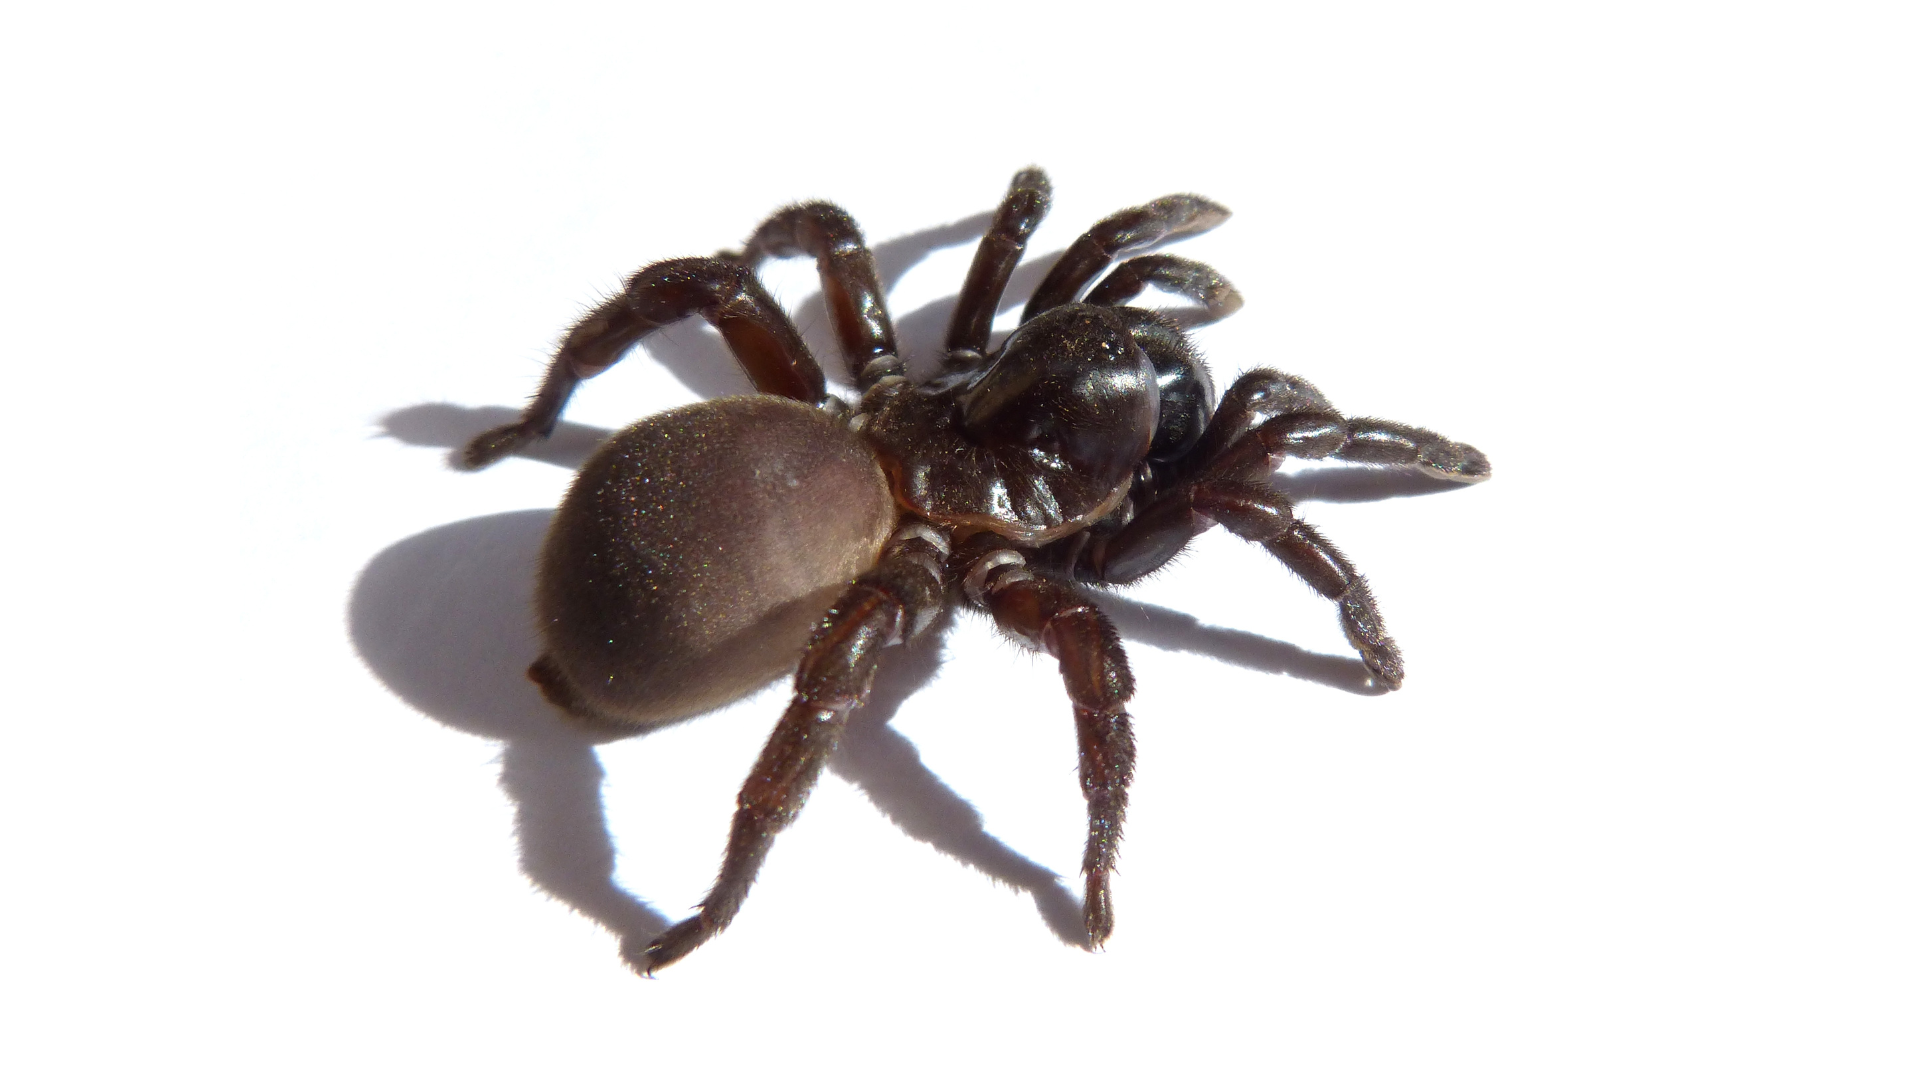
point(1385, 663)
point(1367, 633)
point(492, 445)
point(676, 942)
point(1099, 911)
point(1454, 461)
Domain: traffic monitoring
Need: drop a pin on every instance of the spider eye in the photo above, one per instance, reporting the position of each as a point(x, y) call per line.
point(1072, 382)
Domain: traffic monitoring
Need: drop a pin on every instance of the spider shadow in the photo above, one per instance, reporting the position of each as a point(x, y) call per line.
point(442, 618)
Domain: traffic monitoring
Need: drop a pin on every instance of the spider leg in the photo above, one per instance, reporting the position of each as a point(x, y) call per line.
point(725, 293)
point(1000, 249)
point(1251, 510)
point(1321, 565)
point(848, 277)
point(893, 601)
point(1124, 233)
point(1055, 617)
point(1265, 416)
point(1196, 281)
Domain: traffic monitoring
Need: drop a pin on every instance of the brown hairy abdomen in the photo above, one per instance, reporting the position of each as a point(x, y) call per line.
point(695, 552)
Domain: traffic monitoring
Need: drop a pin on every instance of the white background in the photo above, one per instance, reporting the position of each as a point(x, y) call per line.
point(1646, 805)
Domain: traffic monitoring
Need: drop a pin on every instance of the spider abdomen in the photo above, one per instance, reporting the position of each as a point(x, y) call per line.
point(695, 552)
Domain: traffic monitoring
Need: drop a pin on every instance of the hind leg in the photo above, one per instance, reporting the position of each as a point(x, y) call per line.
point(725, 293)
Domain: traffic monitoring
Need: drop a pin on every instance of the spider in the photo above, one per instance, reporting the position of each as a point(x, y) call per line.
point(697, 550)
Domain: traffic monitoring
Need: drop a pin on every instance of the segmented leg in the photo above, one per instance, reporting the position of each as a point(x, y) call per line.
point(1251, 510)
point(1132, 230)
point(1052, 616)
point(848, 277)
point(884, 606)
point(1310, 555)
point(725, 293)
point(1000, 249)
point(1265, 416)
point(1254, 398)
point(1196, 281)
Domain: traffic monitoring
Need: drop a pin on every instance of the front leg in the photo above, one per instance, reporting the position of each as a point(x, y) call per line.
point(1054, 617)
point(1266, 416)
point(884, 606)
point(1251, 510)
point(1126, 232)
point(1226, 479)
point(1019, 213)
point(1196, 281)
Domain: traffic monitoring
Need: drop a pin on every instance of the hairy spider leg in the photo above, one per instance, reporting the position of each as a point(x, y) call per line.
point(1019, 213)
point(900, 596)
point(855, 301)
point(1117, 235)
point(1266, 416)
point(1263, 418)
point(1054, 617)
point(725, 293)
point(1196, 281)
point(1251, 510)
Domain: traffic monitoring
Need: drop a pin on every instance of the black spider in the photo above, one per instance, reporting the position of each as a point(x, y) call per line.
point(697, 550)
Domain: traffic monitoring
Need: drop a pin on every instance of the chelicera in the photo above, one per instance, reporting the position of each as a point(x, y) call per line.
point(709, 549)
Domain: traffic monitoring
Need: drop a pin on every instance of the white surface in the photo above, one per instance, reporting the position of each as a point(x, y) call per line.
point(1645, 807)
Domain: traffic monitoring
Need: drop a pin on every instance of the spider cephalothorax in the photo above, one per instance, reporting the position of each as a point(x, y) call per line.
point(709, 549)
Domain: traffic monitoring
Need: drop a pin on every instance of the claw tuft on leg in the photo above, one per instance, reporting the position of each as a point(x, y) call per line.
point(1099, 911)
point(490, 446)
point(675, 943)
point(1455, 461)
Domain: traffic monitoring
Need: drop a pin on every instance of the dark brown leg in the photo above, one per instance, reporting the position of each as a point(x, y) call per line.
point(1308, 554)
point(725, 293)
point(999, 252)
point(1251, 510)
point(1052, 616)
point(884, 606)
point(1196, 281)
point(1132, 230)
point(1256, 512)
point(1265, 416)
point(855, 300)
point(1252, 400)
